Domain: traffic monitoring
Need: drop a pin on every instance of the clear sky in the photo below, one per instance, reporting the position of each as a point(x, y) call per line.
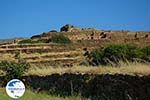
point(24, 18)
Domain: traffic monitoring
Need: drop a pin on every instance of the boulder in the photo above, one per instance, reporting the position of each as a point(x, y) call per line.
point(69, 28)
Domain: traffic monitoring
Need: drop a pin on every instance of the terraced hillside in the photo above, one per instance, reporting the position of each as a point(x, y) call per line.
point(48, 54)
point(52, 54)
point(69, 54)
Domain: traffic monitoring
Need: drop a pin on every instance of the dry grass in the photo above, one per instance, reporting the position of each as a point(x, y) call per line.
point(130, 69)
point(8, 57)
point(50, 53)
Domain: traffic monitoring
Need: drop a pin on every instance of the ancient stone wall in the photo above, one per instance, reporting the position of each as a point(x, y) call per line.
point(98, 35)
point(93, 87)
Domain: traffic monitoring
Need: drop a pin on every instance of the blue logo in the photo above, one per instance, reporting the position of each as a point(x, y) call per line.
point(15, 88)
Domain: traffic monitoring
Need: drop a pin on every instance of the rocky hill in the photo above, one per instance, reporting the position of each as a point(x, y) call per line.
point(82, 40)
point(76, 33)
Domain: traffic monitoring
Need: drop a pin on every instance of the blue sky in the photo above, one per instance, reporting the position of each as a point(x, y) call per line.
point(24, 18)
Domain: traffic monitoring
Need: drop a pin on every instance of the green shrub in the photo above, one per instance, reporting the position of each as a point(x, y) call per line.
point(26, 41)
point(98, 56)
point(13, 69)
point(60, 39)
point(122, 52)
point(55, 38)
point(30, 41)
point(115, 53)
point(146, 53)
point(42, 41)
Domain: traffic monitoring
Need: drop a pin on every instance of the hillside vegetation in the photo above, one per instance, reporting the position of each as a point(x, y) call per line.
point(74, 46)
point(79, 63)
point(30, 95)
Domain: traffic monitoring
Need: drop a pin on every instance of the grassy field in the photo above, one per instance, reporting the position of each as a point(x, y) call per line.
point(30, 95)
point(129, 69)
point(140, 69)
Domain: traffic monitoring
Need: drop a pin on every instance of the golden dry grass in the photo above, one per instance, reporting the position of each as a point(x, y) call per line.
point(129, 69)
point(50, 53)
point(8, 57)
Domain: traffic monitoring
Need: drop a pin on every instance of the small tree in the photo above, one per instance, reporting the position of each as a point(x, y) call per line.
point(14, 69)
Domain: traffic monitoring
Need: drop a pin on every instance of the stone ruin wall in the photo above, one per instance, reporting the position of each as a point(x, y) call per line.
point(97, 35)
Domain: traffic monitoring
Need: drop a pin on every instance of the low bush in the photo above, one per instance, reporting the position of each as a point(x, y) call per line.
point(25, 41)
point(122, 52)
point(118, 52)
point(146, 53)
point(30, 41)
point(60, 39)
point(13, 70)
point(42, 41)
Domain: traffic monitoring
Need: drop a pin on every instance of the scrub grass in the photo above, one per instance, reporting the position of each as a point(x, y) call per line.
point(30, 95)
point(129, 69)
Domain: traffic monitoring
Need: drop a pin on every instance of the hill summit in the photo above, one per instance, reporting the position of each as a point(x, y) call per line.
point(68, 46)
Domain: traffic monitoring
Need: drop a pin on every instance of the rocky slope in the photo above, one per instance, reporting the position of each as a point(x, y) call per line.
point(69, 54)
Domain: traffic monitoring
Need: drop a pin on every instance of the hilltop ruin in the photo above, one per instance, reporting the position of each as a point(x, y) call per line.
point(76, 33)
point(83, 40)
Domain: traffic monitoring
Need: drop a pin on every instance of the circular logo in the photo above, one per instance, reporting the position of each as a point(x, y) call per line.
point(15, 88)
